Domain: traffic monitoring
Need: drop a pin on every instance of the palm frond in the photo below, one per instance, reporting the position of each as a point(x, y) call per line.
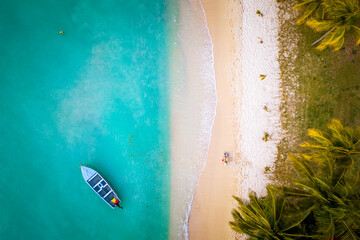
point(338, 40)
point(337, 129)
point(325, 42)
point(292, 221)
point(308, 12)
point(320, 26)
point(302, 166)
point(310, 8)
point(356, 33)
point(350, 233)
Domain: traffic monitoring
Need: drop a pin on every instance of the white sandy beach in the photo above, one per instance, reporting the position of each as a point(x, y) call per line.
point(259, 58)
point(245, 46)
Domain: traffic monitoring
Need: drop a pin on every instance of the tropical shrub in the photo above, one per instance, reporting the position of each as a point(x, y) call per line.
point(325, 192)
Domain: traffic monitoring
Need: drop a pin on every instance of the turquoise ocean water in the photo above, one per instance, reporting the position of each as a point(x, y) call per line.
point(96, 95)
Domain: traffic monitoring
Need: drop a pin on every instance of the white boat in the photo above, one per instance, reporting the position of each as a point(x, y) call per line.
point(100, 186)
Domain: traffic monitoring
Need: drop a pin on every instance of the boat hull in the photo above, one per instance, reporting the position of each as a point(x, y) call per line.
point(99, 185)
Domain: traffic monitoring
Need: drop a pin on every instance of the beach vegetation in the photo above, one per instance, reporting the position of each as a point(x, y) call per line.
point(266, 137)
point(259, 13)
point(325, 192)
point(334, 17)
point(272, 217)
point(329, 178)
point(315, 87)
point(310, 8)
point(262, 77)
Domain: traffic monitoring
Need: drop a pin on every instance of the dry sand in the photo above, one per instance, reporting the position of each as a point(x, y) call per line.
point(211, 208)
point(260, 98)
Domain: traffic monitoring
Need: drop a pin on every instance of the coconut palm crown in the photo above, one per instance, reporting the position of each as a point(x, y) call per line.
point(271, 217)
point(329, 177)
point(336, 17)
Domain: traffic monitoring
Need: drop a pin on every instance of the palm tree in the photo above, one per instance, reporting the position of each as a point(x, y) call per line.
point(336, 17)
point(324, 201)
point(338, 140)
point(329, 177)
point(335, 195)
point(341, 16)
point(272, 217)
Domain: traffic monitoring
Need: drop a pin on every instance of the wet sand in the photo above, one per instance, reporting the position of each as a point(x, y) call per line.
point(211, 208)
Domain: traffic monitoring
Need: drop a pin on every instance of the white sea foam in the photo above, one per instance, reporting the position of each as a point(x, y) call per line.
point(193, 109)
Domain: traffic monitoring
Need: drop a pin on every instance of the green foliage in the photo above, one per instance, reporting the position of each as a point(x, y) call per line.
point(266, 137)
point(330, 176)
point(339, 140)
point(267, 169)
point(315, 86)
point(310, 8)
point(259, 13)
point(267, 218)
point(337, 17)
point(324, 200)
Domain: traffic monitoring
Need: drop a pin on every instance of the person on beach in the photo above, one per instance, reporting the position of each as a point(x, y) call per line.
point(225, 159)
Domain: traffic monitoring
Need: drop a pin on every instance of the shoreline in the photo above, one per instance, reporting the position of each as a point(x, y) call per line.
point(194, 100)
point(212, 204)
point(245, 46)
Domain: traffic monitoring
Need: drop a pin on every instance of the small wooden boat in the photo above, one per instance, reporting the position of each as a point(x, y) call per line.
point(100, 186)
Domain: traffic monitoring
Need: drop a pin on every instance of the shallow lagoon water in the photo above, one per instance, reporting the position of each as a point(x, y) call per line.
point(95, 95)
